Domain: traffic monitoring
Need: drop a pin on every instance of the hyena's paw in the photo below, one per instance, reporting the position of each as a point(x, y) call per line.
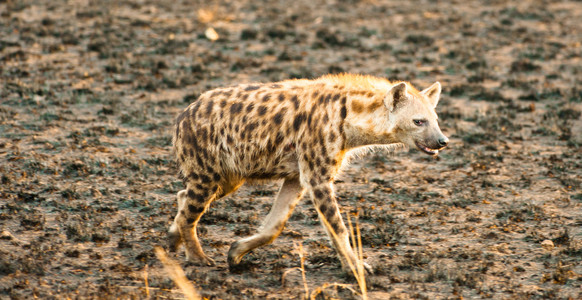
point(235, 255)
point(200, 260)
point(368, 270)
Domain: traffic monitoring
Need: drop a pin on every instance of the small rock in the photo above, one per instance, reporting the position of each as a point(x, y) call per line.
point(5, 235)
point(211, 34)
point(548, 244)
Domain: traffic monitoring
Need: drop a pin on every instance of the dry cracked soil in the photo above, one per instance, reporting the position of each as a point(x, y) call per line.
point(89, 91)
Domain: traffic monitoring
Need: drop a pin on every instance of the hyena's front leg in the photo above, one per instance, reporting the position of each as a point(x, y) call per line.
point(326, 204)
point(289, 194)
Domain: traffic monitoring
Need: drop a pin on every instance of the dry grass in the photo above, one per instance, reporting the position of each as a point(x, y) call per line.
point(177, 274)
point(358, 269)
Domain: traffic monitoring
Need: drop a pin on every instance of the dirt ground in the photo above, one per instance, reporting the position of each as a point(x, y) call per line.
point(89, 91)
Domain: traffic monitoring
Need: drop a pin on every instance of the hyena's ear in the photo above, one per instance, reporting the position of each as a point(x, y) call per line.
point(433, 93)
point(396, 97)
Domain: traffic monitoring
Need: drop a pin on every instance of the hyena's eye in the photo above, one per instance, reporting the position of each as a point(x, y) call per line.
point(419, 122)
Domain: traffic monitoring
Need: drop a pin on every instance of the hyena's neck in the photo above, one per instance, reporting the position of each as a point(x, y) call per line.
point(358, 137)
point(365, 121)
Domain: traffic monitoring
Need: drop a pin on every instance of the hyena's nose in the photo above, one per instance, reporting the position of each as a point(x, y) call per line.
point(443, 142)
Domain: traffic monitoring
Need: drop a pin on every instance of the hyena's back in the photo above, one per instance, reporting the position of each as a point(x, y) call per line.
point(245, 132)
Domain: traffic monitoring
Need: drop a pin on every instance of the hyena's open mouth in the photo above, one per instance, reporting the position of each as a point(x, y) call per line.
point(426, 149)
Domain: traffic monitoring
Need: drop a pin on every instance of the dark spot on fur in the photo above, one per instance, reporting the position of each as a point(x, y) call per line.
point(336, 97)
point(201, 198)
point(311, 165)
point(191, 194)
point(281, 97)
point(330, 214)
point(195, 209)
point(236, 108)
point(199, 160)
point(266, 97)
point(299, 119)
point(278, 118)
point(250, 127)
point(337, 228)
point(318, 193)
point(244, 97)
point(323, 208)
point(252, 87)
point(343, 112)
point(295, 101)
point(323, 172)
point(357, 106)
point(216, 177)
point(194, 108)
point(177, 133)
point(262, 110)
point(211, 135)
point(190, 220)
point(279, 139)
point(223, 103)
point(194, 176)
point(315, 94)
point(205, 178)
point(209, 107)
point(181, 117)
point(250, 107)
point(332, 136)
point(374, 105)
point(315, 122)
point(203, 132)
point(327, 98)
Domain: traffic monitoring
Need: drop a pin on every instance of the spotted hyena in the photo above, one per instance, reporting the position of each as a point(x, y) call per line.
point(297, 130)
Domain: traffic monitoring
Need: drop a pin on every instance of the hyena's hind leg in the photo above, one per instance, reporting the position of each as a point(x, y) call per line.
point(174, 238)
point(192, 203)
point(289, 194)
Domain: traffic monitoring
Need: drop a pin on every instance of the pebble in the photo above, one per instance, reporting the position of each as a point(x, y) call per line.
point(548, 245)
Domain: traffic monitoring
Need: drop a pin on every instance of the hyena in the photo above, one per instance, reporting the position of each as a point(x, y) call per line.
point(300, 131)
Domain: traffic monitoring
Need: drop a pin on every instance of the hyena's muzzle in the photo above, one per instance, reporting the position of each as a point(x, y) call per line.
point(432, 142)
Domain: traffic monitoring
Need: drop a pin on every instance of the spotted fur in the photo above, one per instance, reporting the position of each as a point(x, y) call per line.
point(298, 130)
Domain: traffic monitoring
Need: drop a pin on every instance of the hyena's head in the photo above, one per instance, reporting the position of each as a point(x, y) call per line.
point(413, 117)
